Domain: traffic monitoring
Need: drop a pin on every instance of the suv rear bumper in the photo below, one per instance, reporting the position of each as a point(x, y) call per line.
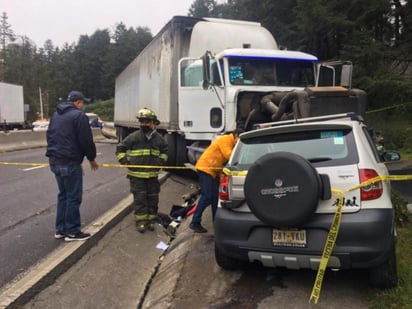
point(365, 240)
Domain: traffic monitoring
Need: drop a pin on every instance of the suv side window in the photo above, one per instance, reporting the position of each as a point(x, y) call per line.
point(372, 145)
point(321, 147)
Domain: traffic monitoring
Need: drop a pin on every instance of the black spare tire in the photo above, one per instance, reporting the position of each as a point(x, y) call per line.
point(282, 189)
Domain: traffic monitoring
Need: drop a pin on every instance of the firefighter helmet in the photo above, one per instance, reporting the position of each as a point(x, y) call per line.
point(146, 113)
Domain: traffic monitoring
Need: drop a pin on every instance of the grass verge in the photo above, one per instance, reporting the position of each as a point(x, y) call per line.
point(401, 296)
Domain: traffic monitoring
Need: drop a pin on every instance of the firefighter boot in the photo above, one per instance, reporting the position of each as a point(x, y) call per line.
point(141, 226)
point(151, 222)
point(151, 225)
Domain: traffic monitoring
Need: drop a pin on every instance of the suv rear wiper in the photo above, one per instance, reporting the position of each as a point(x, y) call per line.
point(319, 159)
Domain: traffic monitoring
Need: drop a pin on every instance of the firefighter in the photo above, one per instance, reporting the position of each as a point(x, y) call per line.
point(145, 147)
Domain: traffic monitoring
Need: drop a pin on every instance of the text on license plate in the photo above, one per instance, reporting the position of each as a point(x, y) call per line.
point(288, 238)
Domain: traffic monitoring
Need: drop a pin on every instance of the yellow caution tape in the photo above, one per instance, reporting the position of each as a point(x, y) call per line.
point(112, 165)
point(385, 108)
point(24, 164)
point(228, 172)
point(334, 229)
point(327, 249)
point(142, 166)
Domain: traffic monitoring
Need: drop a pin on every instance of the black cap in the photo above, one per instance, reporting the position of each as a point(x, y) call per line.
point(77, 95)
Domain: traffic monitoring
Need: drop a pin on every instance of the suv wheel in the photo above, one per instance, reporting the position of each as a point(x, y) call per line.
point(282, 189)
point(385, 275)
point(226, 262)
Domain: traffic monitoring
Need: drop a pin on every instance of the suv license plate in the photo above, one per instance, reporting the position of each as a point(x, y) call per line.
point(288, 238)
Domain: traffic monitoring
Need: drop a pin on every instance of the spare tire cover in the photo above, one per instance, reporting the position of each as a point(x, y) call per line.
point(282, 189)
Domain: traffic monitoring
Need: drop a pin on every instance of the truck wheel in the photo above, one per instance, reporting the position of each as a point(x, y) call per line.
point(181, 150)
point(385, 276)
point(121, 133)
point(171, 151)
point(282, 189)
point(225, 262)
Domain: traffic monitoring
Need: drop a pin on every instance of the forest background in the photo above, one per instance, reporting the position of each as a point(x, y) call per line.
point(376, 35)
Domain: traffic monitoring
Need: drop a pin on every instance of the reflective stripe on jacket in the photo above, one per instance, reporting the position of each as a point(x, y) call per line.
point(138, 149)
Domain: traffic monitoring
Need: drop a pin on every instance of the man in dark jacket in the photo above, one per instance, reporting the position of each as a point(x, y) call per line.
point(145, 147)
point(69, 140)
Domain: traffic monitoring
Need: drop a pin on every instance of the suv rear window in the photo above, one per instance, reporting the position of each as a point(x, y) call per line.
point(321, 147)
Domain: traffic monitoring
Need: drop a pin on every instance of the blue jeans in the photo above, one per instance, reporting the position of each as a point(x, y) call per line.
point(70, 182)
point(209, 195)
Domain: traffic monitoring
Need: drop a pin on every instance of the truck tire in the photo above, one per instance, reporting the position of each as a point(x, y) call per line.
point(181, 150)
point(282, 189)
point(121, 133)
point(171, 149)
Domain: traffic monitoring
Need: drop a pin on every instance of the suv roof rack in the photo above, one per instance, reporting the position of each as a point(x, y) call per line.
point(350, 115)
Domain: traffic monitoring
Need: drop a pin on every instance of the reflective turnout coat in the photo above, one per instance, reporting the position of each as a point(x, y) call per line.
point(138, 149)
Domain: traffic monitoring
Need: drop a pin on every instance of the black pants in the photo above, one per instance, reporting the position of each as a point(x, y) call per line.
point(146, 197)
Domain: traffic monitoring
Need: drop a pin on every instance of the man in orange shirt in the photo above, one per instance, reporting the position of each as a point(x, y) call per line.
point(209, 167)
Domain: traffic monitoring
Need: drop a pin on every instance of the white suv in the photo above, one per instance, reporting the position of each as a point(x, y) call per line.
point(276, 204)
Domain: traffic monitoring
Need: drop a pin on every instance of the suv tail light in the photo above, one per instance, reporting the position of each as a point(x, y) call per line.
point(224, 188)
point(372, 191)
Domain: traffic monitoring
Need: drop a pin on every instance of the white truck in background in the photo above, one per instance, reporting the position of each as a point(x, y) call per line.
point(11, 107)
point(206, 76)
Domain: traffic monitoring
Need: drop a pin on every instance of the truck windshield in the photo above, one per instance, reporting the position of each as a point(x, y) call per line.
point(192, 73)
point(271, 72)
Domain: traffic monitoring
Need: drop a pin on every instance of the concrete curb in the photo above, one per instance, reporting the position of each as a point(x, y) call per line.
point(160, 295)
point(44, 274)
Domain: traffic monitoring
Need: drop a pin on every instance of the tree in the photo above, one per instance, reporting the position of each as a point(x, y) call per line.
point(202, 8)
point(403, 36)
point(375, 34)
point(93, 51)
point(6, 36)
point(6, 33)
point(19, 69)
point(128, 43)
point(278, 16)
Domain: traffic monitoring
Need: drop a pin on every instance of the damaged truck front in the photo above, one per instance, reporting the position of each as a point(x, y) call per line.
point(255, 86)
point(204, 77)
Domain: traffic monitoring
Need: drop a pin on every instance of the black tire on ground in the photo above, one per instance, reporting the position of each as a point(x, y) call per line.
point(385, 276)
point(121, 133)
point(171, 152)
point(225, 262)
point(282, 189)
point(181, 150)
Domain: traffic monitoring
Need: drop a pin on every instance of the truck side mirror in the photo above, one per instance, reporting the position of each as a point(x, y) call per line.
point(325, 76)
point(206, 70)
point(346, 76)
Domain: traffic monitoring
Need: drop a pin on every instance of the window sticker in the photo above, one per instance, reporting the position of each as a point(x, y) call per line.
point(336, 135)
point(338, 140)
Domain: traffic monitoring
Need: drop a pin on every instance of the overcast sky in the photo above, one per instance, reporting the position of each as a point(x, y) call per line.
point(65, 20)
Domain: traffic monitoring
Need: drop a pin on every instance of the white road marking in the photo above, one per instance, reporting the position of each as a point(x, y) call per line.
point(32, 168)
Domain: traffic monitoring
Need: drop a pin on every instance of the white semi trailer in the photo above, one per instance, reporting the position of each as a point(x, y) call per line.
point(207, 76)
point(11, 106)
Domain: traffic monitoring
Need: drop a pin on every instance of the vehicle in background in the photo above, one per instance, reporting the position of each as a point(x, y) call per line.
point(278, 198)
point(11, 107)
point(207, 76)
point(40, 125)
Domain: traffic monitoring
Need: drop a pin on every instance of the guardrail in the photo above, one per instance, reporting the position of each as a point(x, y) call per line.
point(19, 140)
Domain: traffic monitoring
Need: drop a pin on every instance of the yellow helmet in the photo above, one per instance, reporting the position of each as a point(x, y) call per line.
point(146, 113)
